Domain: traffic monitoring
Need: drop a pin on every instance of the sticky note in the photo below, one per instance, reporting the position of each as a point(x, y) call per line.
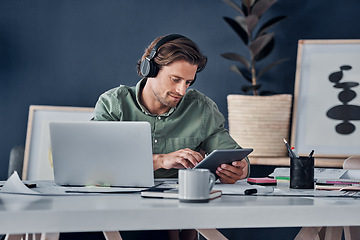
point(262, 181)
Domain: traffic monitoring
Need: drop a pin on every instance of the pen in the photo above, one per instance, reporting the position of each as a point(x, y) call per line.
point(311, 153)
point(291, 153)
point(294, 151)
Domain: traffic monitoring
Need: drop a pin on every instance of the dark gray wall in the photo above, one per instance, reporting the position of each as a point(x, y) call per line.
point(68, 52)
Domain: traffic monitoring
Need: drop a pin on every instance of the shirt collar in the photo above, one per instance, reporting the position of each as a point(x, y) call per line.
point(139, 86)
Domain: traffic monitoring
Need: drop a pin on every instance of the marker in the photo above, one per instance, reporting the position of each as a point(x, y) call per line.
point(251, 191)
point(291, 153)
point(311, 153)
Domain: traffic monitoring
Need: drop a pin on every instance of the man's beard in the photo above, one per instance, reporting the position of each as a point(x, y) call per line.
point(167, 100)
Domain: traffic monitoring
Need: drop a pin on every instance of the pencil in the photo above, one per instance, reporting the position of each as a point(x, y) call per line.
point(291, 153)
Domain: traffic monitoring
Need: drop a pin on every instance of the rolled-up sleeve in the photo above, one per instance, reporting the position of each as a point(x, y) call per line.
point(107, 108)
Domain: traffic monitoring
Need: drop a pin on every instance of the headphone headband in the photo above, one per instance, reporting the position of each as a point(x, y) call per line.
point(161, 42)
point(149, 68)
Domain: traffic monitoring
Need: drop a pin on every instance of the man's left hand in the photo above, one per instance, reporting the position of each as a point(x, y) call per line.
point(232, 173)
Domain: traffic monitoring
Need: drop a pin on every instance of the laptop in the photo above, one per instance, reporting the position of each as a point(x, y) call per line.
point(94, 153)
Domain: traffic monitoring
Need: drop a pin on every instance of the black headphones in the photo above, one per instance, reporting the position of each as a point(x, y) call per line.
point(148, 67)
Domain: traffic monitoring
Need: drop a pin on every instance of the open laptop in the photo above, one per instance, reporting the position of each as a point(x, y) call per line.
point(102, 153)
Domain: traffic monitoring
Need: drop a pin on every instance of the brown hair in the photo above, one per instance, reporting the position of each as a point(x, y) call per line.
point(178, 49)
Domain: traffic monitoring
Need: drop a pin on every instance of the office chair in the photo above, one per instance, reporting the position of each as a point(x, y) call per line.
point(16, 160)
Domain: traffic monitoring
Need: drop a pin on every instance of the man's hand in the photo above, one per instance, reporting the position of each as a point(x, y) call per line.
point(232, 173)
point(184, 158)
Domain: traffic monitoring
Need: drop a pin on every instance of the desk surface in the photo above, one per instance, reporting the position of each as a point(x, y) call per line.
point(108, 212)
point(285, 161)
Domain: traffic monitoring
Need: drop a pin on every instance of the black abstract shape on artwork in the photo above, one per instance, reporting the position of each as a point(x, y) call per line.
point(345, 112)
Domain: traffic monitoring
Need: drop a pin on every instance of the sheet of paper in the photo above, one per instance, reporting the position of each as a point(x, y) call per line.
point(351, 174)
point(101, 189)
point(240, 187)
point(165, 183)
point(15, 185)
point(319, 173)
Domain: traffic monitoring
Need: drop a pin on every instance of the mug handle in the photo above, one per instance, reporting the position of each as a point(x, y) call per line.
point(211, 181)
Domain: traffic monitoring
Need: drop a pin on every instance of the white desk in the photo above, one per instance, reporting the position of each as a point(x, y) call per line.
point(110, 212)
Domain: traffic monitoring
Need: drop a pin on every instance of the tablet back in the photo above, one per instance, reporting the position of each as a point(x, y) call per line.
point(218, 157)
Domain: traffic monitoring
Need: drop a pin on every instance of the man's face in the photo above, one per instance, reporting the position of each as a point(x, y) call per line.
point(171, 83)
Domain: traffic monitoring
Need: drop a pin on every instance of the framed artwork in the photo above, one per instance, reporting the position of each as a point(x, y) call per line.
point(327, 98)
point(37, 157)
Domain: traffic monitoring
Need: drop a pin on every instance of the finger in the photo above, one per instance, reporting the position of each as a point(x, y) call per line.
point(244, 166)
point(239, 164)
point(224, 178)
point(188, 160)
point(231, 168)
point(193, 157)
point(198, 156)
point(174, 160)
point(231, 171)
point(184, 162)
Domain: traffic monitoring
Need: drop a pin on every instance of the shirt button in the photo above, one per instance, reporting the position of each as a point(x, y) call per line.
point(155, 141)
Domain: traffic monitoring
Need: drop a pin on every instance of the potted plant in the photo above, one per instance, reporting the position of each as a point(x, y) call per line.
point(260, 121)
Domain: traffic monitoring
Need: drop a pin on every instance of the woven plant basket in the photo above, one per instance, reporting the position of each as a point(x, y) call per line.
point(260, 122)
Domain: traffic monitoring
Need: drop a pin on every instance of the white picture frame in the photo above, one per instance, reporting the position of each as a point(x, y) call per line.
point(37, 156)
point(320, 82)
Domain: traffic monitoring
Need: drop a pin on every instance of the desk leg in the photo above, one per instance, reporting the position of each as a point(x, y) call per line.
point(333, 233)
point(50, 236)
point(323, 233)
point(35, 236)
point(115, 235)
point(211, 234)
point(16, 237)
point(352, 233)
point(307, 233)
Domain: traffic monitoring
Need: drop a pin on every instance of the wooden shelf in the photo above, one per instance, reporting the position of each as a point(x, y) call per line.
point(285, 161)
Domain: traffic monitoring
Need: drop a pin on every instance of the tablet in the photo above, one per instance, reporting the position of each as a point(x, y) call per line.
point(218, 157)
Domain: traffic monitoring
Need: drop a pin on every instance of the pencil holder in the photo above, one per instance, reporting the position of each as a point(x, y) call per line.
point(302, 172)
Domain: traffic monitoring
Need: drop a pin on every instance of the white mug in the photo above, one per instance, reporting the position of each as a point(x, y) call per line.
point(195, 185)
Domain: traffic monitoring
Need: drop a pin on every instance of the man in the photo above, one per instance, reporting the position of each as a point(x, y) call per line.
point(185, 124)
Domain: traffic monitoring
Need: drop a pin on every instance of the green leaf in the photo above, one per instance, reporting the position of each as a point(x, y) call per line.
point(247, 88)
point(248, 3)
point(245, 9)
point(234, 6)
point(242, 72)
point(251, 21)
point(238, 58)
point(248, 23)
point(268, 67)
point(267, 93)
point(269, 24)
point(238, 29)
point(242, 23)
point(261, 6)
point(259, 43)
point(265, 51)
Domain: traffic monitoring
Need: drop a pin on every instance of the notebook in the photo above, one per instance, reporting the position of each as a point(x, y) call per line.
point(115, 154)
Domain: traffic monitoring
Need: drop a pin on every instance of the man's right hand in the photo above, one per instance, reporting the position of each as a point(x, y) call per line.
point(183, 158)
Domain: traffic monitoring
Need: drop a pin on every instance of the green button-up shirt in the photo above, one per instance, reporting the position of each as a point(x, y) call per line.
point(195, 123)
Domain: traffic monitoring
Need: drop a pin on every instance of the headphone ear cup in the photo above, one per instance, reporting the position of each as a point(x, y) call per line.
point(145, 67)
point(153, 69)
point(148, 68)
